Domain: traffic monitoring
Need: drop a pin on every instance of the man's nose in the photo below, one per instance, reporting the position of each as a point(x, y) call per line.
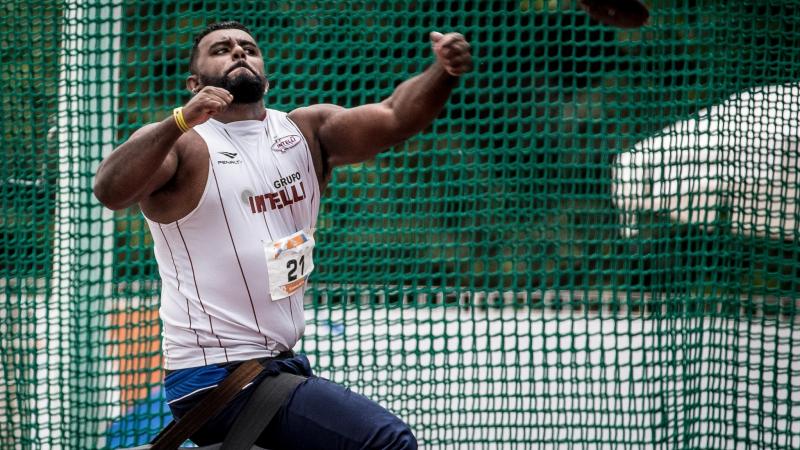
point(238, 52)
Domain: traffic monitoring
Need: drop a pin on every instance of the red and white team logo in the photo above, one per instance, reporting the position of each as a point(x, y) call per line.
point(285, 143)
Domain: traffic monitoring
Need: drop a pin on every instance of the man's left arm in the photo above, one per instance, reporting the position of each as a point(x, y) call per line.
point(347, 136)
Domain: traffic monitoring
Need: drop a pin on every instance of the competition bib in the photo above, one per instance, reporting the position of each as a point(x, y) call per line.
point(289, 261)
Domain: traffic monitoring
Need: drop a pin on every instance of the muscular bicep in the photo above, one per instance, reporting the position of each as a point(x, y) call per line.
point(357, 134)
point(162, 176)
point(353, 135)
point(165, 172)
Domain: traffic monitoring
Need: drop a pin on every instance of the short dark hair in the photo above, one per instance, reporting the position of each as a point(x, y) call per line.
point(226, 25)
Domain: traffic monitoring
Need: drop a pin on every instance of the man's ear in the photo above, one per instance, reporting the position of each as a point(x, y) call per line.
point(193, 84)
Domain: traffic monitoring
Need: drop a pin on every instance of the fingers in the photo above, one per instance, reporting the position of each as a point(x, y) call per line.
point(450, 40)
point(436, 36)
point(216, 102)
point(206, 103)
point(453, 52)
point(459, 70)
point(217, 94)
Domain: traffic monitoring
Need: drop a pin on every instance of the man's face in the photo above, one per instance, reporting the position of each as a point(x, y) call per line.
point(231, 59)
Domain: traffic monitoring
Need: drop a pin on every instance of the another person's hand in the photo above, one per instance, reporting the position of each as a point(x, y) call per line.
point(207, 103)
point(453, 52)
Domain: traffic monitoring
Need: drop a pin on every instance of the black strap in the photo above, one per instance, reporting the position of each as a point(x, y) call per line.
point(212, 404)
point(262, 406)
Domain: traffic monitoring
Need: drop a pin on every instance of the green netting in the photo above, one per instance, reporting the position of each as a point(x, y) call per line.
point(489, 281)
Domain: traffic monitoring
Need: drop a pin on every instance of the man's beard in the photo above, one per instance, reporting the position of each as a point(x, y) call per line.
point(246, 87)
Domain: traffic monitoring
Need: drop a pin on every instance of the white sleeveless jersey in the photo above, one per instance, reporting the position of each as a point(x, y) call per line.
point(215, 300)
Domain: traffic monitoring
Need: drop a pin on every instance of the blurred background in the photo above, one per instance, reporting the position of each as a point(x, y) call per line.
point(594, 246)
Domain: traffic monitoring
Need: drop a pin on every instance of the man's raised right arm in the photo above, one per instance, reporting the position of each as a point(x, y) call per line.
point(148, 159)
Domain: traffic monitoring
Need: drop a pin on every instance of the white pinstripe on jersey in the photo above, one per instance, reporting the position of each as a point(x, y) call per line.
point(215, 301)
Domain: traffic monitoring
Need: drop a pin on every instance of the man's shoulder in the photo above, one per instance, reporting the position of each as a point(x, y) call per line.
point(314, 114)
point(309, 119)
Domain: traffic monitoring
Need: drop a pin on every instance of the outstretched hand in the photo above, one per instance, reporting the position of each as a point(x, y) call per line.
point(452, 51)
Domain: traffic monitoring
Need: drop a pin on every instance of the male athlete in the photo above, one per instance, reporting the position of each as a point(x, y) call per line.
point(231, 191)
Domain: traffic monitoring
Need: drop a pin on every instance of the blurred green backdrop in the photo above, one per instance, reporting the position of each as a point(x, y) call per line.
point(508, 191)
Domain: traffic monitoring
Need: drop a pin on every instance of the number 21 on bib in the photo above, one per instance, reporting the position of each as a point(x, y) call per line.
point(289, 261)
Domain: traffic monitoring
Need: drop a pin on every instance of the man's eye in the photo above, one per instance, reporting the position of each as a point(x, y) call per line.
point(220, 51)
point(250, 51)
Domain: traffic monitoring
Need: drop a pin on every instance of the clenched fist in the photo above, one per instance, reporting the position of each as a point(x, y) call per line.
point(452, 52)
point(207, 103)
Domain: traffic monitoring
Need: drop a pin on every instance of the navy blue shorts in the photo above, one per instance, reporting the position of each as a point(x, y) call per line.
point(319, 414)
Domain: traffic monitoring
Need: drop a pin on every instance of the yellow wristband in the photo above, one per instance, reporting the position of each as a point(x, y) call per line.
point(177, 114)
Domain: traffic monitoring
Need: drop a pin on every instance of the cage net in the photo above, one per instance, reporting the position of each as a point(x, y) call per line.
point(594, 245)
